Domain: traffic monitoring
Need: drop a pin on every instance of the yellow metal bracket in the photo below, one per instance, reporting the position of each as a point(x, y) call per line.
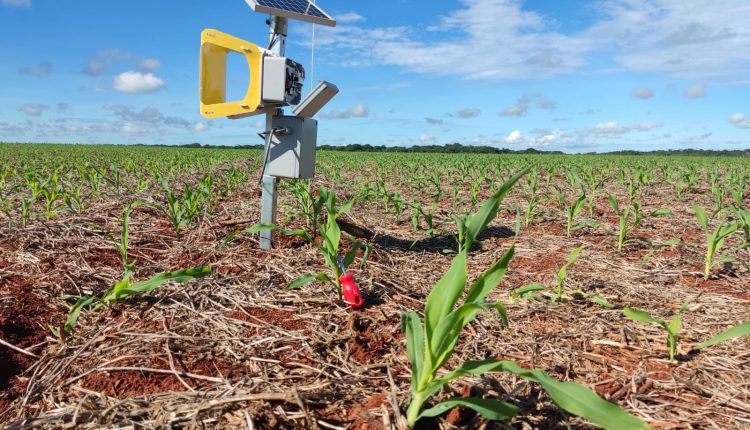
point(215, 46)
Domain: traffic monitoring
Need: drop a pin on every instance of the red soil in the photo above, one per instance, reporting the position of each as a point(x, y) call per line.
point(24, 322)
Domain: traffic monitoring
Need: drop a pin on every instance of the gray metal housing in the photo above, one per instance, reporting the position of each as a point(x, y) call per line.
point(293, 155)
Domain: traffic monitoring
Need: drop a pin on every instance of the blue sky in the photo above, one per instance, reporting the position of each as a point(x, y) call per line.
point(573, 76)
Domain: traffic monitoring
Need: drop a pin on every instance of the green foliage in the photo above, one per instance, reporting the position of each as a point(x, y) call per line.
point(125, 288)
point(429, 346)
point(714, 240)
point(330, 234)
point(563, 272)
point(731, 333)
point(630, 218)
point(672, 327)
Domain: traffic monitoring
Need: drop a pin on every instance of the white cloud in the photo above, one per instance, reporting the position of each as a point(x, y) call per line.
point(612, 128)
point(200, 127)
point(740, 120)
point(33, 109)
point(521, 108)
point(43, 69)
point(137, 82)
point(519, 48)
point(104, 60)
point(357, 111)
point(538, 137)
point(643, 93)
point(259, 124)
point(523, 104)
point(149, 64)
point(18, 3)
point(128, 114)
point(689, 39)
point(693, 39)
point(348, 18)
point(433, 120)
point(424, 138)
point(130, 128)
point(513, 137)
point(696, 91)
point(468, 113)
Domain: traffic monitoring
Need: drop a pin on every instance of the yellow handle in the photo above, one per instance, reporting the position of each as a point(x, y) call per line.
point(215, 46)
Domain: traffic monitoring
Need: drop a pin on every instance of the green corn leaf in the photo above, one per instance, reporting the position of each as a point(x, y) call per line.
point(301, 281)
point(601, 301)
point(614, 204)
point(443, 339)
point(490, 278)
point(579, 205)
point(179, 276)
point(574, 398)
point(346, 206)
point(675, 325)
point(736, 331)
point(526, 289)
point(75, 311)
point(701, 217)
point(323, 277)
point(642, 316)
point(661, 212)
point(444, 294)
point(684, 306)
point(411, 326)
point(491, 409)
point(502, 313)
point(332, 236)
point(563, 272)
point(488, 211)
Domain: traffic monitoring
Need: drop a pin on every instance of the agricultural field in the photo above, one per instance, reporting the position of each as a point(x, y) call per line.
point(134, 294)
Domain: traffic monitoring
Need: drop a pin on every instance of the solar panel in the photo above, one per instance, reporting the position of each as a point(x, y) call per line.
point(302, 10)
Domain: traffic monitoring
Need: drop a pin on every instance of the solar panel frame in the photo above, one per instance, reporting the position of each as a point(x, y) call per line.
point(302, 10)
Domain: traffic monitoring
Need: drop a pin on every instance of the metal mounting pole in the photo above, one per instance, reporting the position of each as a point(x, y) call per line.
point(277, 45)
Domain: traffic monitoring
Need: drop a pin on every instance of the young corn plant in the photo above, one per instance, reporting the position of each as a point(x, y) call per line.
point(469, 225)
point(563, 272)
point(630, 218)
point(126, 287)
point(430, 346)
point(743, 219)
point(532, 291)
point(572, 212)
point(675, 325)
point(532, 198)
point(330, 233)
point(714, 240)
point(672, 327)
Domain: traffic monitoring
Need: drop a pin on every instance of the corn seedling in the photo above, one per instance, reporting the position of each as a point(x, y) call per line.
point(531, 191)
point(714, 240)
point(126, 288)
point(630, 218)
point(431, 345)
point(469, 225)
point(572, 211)
point(331, 238)
point(743, 218)
point(672, 327)
point(563, 272)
